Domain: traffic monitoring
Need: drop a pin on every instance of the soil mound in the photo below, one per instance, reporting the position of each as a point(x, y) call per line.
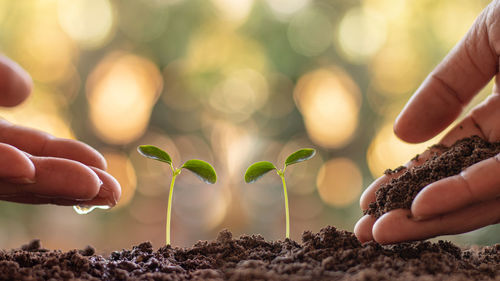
point(445, 162)
point(330, 254)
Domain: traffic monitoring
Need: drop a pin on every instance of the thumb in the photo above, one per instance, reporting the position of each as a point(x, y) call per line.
point(15, 82)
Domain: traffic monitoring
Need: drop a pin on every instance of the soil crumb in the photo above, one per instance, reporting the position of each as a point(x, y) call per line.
point(447, 161)
point(330, 254)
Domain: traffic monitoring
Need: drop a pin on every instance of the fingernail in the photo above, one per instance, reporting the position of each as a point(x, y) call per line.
point(105, 197)
point(20, 180)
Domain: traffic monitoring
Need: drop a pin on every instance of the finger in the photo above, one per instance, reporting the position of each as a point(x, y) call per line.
point(57, 178)
point(443, 94)
point(28, 198)
point(39, 143)
point(363, 228)
point(15, 83)
point(398, 226)
point(477, 183)
point(108, 195)
point(15, 166)
point(369, 196)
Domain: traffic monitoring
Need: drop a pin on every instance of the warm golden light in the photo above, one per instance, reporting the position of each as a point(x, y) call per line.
point(387, 151)
point(309, 32)
point(240, 94)
point(393, 10)
point(120, 167)
point(362, 32)
point(339, 182)
point(233, 145)
point(287, 7)
point(397, 69)
point(121, 91)
point(234, 10)
point(43, 111)
point(451, 19)
point(88, 22)
point(220, 49)
point(329, 101)
point(44, 49)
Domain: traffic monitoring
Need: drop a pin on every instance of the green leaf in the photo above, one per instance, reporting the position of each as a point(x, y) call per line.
point(153, 152)
point(299, 156)
point(202, 169)
point(257, 170)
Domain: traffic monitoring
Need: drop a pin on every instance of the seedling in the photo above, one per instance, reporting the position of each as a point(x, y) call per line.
point(258, 169)
point(200, 168)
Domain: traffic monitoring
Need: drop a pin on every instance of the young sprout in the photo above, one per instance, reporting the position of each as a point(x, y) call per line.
point(200, 168)
point(257, 170)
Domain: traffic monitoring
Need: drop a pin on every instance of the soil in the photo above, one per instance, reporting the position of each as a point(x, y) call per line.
point(444, 162)
point(331, 254)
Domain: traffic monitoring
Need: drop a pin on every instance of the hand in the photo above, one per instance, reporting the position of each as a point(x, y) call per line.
point(38, 168)
point(471, 199)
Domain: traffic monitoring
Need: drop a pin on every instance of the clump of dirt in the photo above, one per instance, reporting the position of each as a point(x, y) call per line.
point(445, 162)
point(330, 254)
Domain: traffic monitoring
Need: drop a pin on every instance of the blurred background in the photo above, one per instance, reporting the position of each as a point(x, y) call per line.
point(230, 82)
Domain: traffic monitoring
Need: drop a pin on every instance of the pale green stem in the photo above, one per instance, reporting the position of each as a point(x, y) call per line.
point(169, 206)
point(287, 212)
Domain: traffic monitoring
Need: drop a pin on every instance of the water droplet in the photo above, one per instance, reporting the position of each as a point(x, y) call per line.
point(83, 210)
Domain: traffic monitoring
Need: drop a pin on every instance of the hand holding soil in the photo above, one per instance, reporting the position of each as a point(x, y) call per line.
point(38, 168)
point(470, 199)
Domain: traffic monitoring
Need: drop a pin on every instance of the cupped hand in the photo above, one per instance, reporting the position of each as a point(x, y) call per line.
point(38, 168)
point(471, 199)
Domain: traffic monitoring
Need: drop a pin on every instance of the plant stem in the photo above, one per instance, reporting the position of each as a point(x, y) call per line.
point(287, 212)
point(169, 206)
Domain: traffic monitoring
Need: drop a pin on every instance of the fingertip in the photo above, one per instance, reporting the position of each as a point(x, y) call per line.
point(421, 207)
point(15, 166)
point(368, 195)
point(15, 82)
point(363, 228)
point(405, 130)
point(366, 198)
point(110, 190)
point(390, 227)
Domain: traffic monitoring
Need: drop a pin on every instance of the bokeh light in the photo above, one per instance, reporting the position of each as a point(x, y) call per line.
point(449, 27)
point(120, 167)
point(307, 30)
point(121, 91)
point(239, 81)
point(43, 48)
point(287, 7)
point(43, 112)
point(234, 10)
point(397, 69)
point(361, 33)
point(339, 182)
point(240, 94)
point(387, 151)
point(329, 101)
point(89, 22)
point(150, 19)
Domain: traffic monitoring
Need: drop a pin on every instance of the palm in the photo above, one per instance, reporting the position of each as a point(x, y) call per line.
point(438, 102)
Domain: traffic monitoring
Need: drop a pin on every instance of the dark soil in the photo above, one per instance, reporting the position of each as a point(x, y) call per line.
point(446, 161)
point(328, 255)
